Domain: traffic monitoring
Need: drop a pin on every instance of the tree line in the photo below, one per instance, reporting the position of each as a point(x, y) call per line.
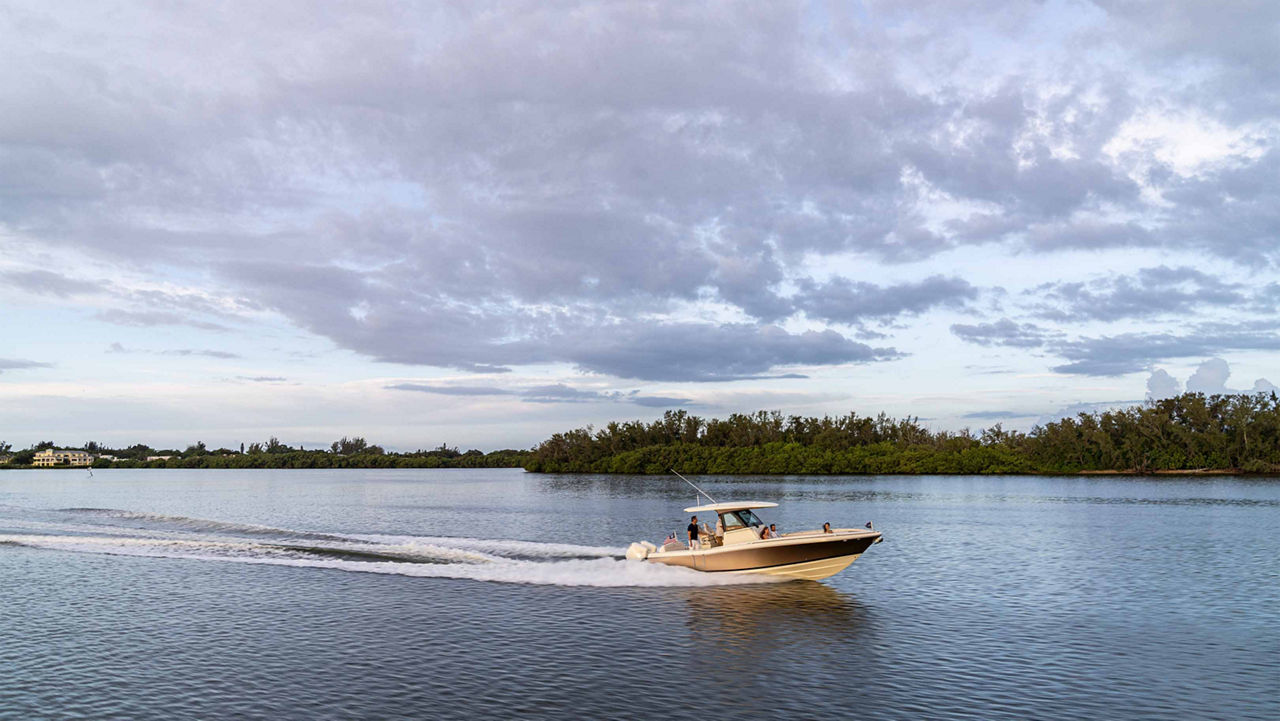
point(1188, 433)
point(346, 452)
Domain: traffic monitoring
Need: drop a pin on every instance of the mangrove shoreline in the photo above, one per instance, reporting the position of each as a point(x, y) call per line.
point(1191, 434)
point(1188, 435)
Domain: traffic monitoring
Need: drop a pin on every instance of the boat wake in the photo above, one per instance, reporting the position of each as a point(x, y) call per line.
point(130, 533)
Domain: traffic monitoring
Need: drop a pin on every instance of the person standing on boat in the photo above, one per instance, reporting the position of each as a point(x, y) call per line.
point(694, 543)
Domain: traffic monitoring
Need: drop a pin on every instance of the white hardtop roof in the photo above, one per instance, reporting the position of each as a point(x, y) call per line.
point(730, 506)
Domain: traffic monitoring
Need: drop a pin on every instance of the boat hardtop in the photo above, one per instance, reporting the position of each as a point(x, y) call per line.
point(730, 506)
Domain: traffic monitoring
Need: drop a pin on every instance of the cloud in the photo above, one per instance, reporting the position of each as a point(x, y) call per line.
point(186, 352)
point(390, 325)
point(1209, 378)
point(1149, 292)
point(144, 307)
point(1004, 332)
point(660, 401)
point(1262, 385)
point(709, 352)
point(8, 364)
point(200, 352)
point(550, 393)
point(1133, 352)
point(150, 318)
point(560, 393)
point(996, 415)
point(840, 300)
point(44, 282)
point(262, 379)
point(1076, 409)
point(452, 390)
point(1162, 385)
point(644, 193)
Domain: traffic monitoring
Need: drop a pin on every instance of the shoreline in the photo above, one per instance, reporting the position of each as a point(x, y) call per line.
point(1129, 473)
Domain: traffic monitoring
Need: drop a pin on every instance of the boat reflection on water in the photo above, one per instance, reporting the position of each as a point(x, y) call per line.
point(747, 624)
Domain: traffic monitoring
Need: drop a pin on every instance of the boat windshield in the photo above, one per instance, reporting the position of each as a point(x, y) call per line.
point(739, 519)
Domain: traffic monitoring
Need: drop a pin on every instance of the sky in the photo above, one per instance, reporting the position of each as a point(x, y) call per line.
point(482, 223)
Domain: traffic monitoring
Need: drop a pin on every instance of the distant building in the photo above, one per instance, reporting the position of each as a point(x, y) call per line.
point(107, 457)
point(6, 459)
point(55, 457)
point(158, 458)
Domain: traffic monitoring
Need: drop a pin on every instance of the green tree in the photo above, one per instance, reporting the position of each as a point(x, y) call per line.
point(348, 446)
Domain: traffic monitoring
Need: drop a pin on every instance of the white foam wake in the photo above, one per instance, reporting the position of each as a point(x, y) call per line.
point(164, 521)
point(600, 572)
point(422, 559)
point(499, 546)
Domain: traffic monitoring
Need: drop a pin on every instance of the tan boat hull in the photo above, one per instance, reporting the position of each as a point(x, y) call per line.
point(803, 556)
point(806, 570)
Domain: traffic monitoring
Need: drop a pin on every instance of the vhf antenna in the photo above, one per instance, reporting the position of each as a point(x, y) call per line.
point(699, 490)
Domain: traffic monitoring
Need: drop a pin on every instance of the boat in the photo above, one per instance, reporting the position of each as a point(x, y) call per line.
point(739, 545)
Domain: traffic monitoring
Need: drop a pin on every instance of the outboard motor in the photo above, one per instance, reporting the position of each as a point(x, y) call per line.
point(640, 550)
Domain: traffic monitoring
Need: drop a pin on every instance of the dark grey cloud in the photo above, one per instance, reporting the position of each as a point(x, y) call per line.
point(660, 401)
point(45, 282)
point(9, 364)
point(841, 300)
point(551, 393)
point(358, 312)
point(1231, 210)
point(1233, 43)
point(1149, 292)
point(709, 352)
point(1123, 353)
point(487, 188)
point(1133, 352)
point(1004, 332)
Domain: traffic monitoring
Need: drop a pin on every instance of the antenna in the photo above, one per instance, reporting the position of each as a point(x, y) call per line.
point(699, 490)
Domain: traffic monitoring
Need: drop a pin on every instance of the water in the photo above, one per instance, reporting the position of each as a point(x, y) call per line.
point(151, 594)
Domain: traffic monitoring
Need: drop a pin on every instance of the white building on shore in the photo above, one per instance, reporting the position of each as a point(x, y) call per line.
point(55, 457)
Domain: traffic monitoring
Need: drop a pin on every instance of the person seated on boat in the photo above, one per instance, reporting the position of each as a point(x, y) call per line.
point(766, 533)
point(719, 527)
point(773, 531)
point(826, 528)
point(694, 543)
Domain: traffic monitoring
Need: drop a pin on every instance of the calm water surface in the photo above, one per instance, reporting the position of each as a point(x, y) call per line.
point(497, 594)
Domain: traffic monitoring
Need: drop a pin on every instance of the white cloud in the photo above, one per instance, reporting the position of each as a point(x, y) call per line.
point(1162, 385)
